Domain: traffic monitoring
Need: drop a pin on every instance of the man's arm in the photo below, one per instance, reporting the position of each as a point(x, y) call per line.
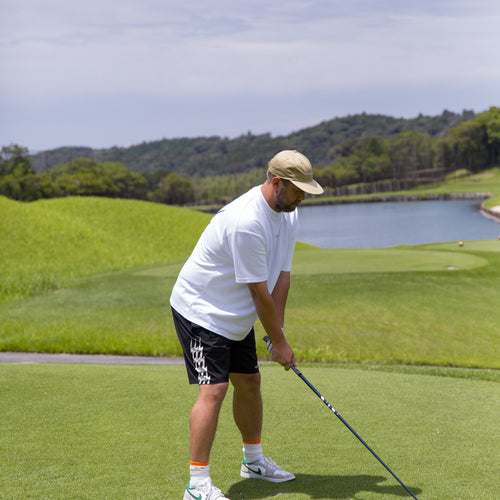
point(280, 295)
point(270, 310)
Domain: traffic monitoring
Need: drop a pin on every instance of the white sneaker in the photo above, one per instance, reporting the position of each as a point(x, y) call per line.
point(265, 469)
point(204, 491)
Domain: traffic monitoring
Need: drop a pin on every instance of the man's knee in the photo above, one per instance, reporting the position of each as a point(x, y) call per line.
point(212, 393)
point(246, 382)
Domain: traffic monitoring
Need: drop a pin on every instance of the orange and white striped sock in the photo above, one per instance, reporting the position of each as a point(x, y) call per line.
point(252, 451)
point(199, 472)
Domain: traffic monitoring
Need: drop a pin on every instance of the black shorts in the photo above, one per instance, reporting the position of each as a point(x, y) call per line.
point(210, 357)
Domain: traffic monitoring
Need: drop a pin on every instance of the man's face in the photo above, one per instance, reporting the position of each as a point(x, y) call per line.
point(288, 196)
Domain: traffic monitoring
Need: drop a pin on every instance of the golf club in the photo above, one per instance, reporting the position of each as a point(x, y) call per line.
point(269, 347)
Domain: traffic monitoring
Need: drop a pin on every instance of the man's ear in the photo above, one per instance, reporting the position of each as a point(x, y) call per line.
point(275, 182)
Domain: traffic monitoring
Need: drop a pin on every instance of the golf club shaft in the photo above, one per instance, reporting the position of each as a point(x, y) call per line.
point(269, 347)
point(337, 414)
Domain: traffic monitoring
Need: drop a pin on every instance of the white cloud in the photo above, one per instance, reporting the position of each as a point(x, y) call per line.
point(53, 51)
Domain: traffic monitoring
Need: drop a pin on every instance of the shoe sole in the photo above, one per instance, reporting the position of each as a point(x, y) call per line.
point(252, 475)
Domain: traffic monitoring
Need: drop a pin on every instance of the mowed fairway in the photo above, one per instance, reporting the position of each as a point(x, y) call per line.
point(408, 339)
point(121, 432)
point(428, 304)
point(423, 305)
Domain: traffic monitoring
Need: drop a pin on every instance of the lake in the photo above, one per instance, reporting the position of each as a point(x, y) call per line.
point(386, 224)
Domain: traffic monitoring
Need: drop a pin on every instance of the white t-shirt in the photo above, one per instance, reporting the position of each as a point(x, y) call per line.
point(245, 242)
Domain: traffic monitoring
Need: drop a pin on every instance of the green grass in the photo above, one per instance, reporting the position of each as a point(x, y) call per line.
point(121, 432)
point(485, 182)
point(437, 316)
point(50, 243)
point(433, 304)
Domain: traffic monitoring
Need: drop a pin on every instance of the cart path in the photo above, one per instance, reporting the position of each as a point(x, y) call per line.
point(39, 357)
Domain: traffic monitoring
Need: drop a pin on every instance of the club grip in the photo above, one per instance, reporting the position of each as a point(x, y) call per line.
point(269, 344)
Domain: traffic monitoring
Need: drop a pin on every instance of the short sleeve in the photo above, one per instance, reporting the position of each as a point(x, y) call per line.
point(249, 256)
point(287, 263)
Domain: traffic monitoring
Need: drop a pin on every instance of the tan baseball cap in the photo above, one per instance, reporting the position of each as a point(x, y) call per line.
point(295, 167)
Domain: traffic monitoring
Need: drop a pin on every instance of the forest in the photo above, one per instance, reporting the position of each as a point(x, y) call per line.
point(373, 151)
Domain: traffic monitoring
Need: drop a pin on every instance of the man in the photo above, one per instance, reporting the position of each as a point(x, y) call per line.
point(238, 271)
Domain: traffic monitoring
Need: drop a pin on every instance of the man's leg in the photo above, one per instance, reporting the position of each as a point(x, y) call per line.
point(203, 420)
point(247, 411)
point(247, 405)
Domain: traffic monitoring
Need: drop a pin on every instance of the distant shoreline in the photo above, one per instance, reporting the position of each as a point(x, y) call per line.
point(400, 198)
point(493, 213)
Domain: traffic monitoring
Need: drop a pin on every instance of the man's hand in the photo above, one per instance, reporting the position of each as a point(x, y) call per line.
point(281, 352)
point(271, 320)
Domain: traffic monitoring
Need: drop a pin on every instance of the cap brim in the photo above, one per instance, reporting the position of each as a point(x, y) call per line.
point(311, 187)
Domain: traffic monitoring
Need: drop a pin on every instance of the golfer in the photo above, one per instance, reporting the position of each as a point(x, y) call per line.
point(238, 271)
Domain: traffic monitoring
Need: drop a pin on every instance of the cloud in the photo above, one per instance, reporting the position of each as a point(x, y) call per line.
point(137, 52)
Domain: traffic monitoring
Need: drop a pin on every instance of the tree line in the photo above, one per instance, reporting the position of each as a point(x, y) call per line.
point(411, 158)
point(86, 177)
point(89, 177)
point(207, 156)
point(394, 161)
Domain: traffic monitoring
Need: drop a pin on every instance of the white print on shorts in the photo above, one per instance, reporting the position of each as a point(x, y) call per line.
point(199, 361)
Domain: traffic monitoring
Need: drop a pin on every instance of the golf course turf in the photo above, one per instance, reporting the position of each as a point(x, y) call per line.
point(121, 431)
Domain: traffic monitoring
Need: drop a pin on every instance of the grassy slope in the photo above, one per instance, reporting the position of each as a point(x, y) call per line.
point(485, 182)
point(50, 243)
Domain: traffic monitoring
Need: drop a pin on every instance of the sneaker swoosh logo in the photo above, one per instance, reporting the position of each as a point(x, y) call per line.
point(196, 497)
point(255, 471)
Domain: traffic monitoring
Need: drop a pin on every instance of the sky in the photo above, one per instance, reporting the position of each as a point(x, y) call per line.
point(104, 73)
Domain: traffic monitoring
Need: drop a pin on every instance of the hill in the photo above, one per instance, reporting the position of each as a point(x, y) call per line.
point(51, 243)
point(204, 156)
